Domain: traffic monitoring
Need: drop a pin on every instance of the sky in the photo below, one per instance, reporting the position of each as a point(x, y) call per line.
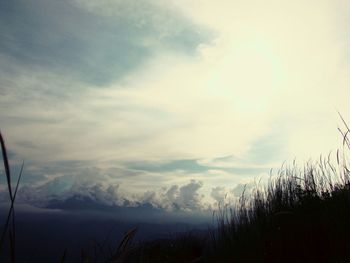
point(176, 103)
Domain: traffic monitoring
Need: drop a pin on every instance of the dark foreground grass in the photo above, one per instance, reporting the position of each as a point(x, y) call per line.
point(293, 219)
point(301, 215)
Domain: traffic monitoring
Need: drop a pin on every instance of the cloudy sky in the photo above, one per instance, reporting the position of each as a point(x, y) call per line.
point(168, 101)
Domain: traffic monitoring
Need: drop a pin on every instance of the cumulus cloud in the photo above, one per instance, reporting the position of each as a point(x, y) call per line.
point(219, 194)
point(230, 196)
point(58, 190)
point(241, 189)
point(184, 198)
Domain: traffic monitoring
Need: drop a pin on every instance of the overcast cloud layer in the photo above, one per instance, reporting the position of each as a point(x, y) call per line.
point(173, 103)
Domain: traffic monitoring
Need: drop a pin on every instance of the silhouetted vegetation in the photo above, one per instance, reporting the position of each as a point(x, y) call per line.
point(9, 229)
point(293, 219)
point(301, 215)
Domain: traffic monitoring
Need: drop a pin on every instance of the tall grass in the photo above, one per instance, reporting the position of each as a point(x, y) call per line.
point(301, 215)
point(10, 225)
point(293, 219)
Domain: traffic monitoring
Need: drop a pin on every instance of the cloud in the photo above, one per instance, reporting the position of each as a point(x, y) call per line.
point(199, 166)
point(107, 195)
point(219, 194)
point(188, 194)
point(245, 189)
point(182, 198)
point(59, 190)
point(230, 196)
point(185, 165)
point(91, 46)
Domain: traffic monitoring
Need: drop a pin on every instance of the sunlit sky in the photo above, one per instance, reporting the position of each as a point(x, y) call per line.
point(169, 99)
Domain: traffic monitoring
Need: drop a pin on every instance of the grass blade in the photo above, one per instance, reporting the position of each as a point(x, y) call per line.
point(11, 210)
point(6, 165)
